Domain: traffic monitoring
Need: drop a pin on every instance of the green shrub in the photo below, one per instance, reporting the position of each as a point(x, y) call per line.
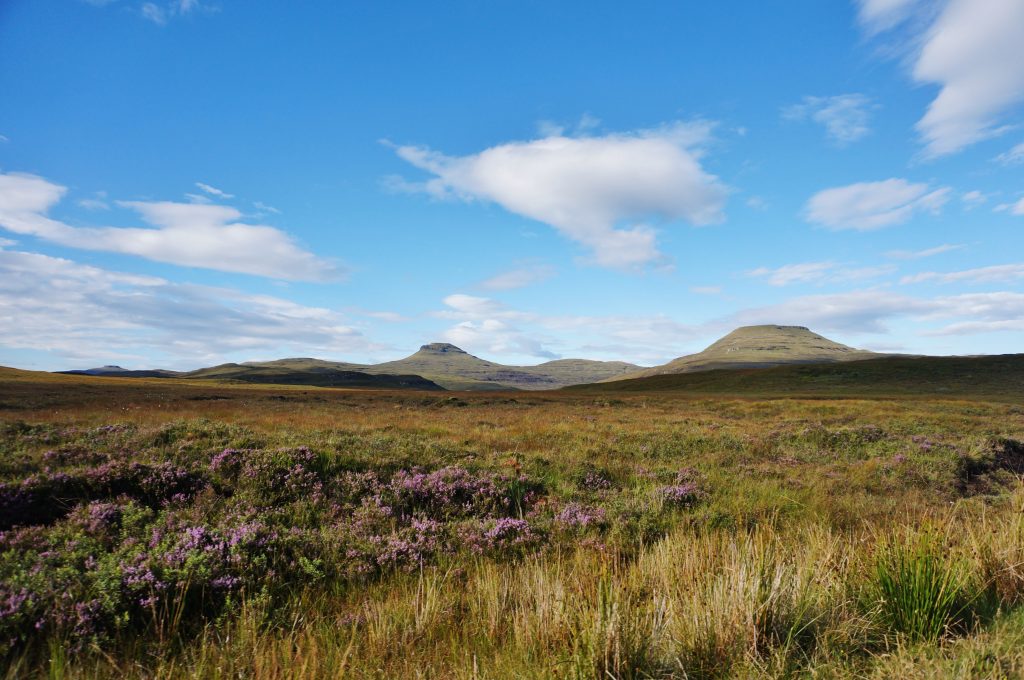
point(921, 591)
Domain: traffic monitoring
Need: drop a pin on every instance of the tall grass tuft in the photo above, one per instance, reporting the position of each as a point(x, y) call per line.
point(922, 592)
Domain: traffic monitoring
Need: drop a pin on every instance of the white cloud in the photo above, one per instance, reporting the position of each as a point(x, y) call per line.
point(973, 198)
point(493, 336)
point(853, 312)
point(597, 191)
point(1016, 208)
point(86, 314)
point(4, 139)
point(975, 52)
point(213, 191)
point(391, 317)
point(992, 274)
point(882, 15)
point(161, 12)
point(1013, 156)
point(153, 12)
point(845, 117)
point(263, 207)
point(706, 290)
point(793, 273)
point(94, 204)
point(873, 205)
point(818, 272)
point(519, 278)
point(190, 235)
point(869, 311)
point(461, 306)
point(918, 254)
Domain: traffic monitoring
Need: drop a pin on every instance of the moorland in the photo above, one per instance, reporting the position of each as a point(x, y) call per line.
point(171, 528)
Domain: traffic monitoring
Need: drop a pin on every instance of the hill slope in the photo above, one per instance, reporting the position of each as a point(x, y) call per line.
point(318, 376)
point(456, 369)
point(760, 347)
point(437, 365)
point(997, 377)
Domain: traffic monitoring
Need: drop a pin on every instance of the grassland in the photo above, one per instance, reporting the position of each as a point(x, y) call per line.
point(164, 529)
point(998, 377)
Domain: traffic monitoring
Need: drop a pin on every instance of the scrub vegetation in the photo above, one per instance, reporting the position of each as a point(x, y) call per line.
point(161, 529)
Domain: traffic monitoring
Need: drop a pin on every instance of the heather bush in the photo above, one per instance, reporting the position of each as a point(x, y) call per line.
point(368, 537)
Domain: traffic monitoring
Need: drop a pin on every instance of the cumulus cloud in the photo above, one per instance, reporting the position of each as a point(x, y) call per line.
point(599, 191)
point(494, 336)
point(486, 325)
point(82, 313)
point(190, 235)
point(873, 205)
point(845, 117)
point(519, 278)
point(999, 273)
point(818, 272)
point(919, 254)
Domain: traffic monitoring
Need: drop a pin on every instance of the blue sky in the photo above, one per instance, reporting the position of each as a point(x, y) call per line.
point(189, 182)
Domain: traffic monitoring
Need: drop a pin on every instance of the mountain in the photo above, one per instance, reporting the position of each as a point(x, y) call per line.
point(999, 378)
point(317, 376)
point(456, 369)
point(435, 366)
point(124, 372)
point(760, 347)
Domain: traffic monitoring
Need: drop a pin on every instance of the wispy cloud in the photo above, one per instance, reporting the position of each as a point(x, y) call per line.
point(873, 205)
point(1000, 273)
point(845, 117)
point(190, 235)
point(868, 312)
point(598, 191)
point(1015, 208)
point(84, 314)
point(919, 254)
point(213, 191)
point(97, 202)
point(818, 273)
point(881, 15)
point(1013, 156)
point(971, 49)
point(519, 277)
point(263, 207)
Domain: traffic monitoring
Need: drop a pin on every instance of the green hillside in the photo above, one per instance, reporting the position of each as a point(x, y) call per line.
point(760, 347)
point(997, 377)
point(317, 376)
point(456, 369)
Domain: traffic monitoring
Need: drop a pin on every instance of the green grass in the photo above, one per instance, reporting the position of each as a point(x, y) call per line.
point(989, 377)
point(839, 538)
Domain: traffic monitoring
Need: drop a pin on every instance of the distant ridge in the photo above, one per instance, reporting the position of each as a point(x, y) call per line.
point(760, 347)
point(436, 365)
point(455, 369)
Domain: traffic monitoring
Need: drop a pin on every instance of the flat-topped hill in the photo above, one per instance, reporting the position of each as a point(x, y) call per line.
point(761, 347)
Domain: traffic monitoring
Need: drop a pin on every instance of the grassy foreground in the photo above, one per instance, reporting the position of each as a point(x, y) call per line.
point(160, 530)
